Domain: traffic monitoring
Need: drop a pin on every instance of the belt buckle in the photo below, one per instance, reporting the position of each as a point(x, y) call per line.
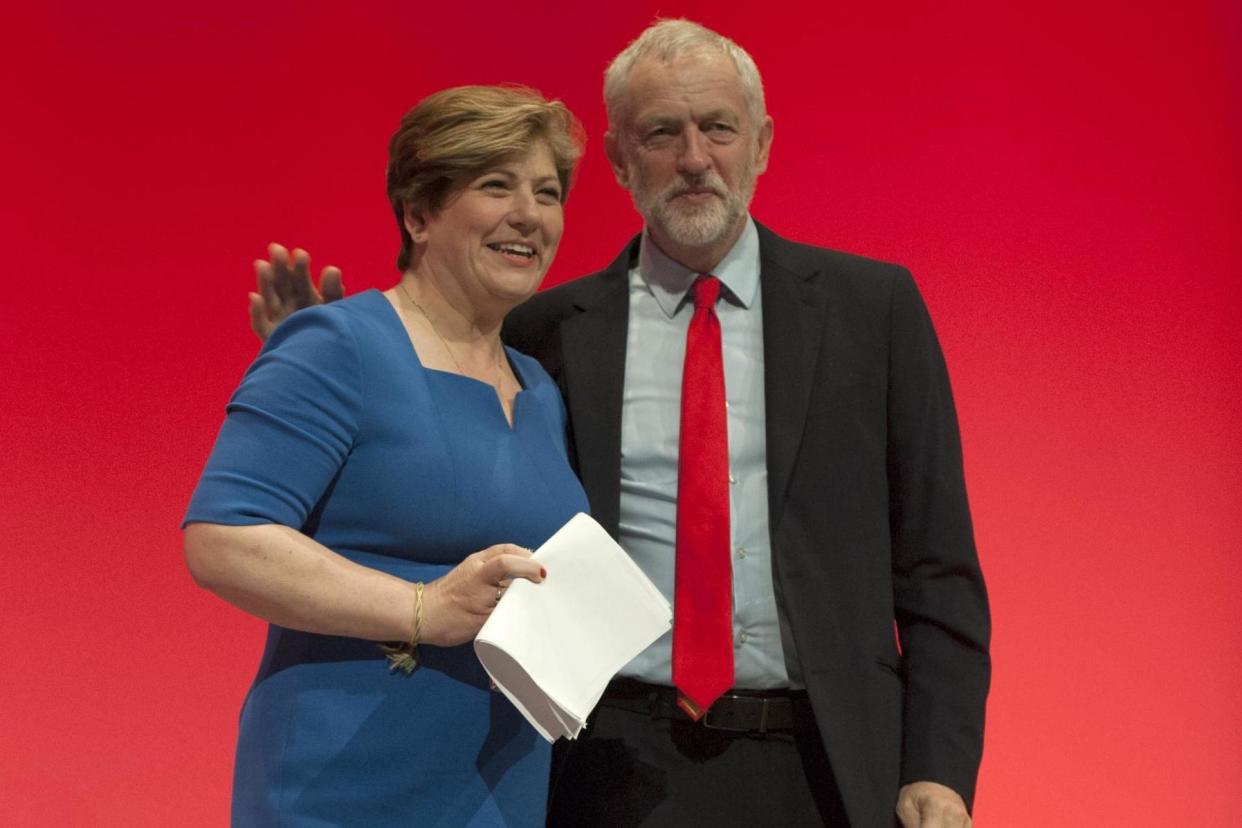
point(708, 723)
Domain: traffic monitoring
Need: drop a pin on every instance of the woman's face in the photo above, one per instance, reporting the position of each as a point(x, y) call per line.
point(497, 235)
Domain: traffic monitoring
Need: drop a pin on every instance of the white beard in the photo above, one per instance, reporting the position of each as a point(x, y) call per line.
point(695, 225)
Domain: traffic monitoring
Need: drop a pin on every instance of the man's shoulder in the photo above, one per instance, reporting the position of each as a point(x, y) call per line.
point(799, 257)
point(532, 326)
point(533, 318)
point(575, 291)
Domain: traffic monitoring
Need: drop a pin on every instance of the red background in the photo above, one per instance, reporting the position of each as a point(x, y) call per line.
point(1063, 178)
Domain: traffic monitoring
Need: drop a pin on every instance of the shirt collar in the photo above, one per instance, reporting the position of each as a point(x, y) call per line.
point(669, 281)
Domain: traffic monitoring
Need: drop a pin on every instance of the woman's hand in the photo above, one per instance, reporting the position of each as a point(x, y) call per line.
point(456, 605)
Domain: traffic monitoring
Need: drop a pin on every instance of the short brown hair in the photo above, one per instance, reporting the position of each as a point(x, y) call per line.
point(453, 135)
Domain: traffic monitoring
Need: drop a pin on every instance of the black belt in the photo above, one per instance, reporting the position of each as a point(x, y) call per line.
point(739, 711)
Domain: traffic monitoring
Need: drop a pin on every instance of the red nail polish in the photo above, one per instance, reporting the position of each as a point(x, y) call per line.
point(543, 573)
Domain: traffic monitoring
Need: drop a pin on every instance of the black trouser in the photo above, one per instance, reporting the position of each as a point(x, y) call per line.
point(628, 767)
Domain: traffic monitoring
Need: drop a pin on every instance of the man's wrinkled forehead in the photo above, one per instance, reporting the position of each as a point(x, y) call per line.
point(658, 89)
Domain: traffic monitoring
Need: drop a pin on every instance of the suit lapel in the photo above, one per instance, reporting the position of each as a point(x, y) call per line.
point(792, 310)
point(593, 340)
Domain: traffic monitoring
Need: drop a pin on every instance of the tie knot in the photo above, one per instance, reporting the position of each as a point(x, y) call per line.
point(706, 290)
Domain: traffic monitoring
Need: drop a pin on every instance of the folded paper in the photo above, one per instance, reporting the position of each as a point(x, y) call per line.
point(552, 648)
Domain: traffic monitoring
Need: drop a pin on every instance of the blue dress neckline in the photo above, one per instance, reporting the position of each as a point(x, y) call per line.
point(394, 318)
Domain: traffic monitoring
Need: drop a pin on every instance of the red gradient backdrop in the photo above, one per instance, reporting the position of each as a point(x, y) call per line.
point(1063, 178)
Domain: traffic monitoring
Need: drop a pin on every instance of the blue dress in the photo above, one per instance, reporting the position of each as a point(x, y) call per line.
point(338, 430)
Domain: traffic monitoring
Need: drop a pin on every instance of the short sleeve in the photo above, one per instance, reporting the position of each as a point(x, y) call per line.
point(289, 426)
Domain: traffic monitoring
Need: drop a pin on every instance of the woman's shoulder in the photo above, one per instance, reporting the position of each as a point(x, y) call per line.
point(364, 305)
point(532, 373)
point(354, 319)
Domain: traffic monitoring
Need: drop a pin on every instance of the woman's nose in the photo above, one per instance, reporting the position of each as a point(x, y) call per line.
point(524, 214)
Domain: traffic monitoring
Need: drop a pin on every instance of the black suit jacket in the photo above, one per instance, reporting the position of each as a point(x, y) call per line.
point(866, 498)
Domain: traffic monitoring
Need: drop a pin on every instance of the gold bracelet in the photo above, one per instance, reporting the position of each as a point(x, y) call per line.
point(405, 655)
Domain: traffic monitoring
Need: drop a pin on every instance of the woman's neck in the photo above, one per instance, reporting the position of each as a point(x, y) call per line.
point(453, 315)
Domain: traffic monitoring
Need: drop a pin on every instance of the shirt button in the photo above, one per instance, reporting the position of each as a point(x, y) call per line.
point(743, 638)
point(741, 551)
point(732, 479)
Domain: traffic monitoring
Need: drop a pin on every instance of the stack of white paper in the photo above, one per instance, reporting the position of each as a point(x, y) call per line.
point(553, 647)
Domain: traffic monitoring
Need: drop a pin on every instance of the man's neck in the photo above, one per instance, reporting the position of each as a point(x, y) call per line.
point(701, 259)
point(668, 279)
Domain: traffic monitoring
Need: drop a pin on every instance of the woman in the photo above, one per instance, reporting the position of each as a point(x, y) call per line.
point(384, 466)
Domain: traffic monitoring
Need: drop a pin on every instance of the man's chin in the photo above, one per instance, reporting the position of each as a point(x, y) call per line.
point(695, 231)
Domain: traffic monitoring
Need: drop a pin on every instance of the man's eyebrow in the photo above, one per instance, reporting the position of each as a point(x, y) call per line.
point(726, 115)
point(658, 120)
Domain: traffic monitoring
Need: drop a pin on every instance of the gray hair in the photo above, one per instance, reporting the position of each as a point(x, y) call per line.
point(667, 40)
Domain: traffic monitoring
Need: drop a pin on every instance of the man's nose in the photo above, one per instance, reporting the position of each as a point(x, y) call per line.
point(695, 159)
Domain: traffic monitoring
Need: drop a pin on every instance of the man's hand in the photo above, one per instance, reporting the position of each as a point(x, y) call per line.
point(931, 805)
point(286, 286)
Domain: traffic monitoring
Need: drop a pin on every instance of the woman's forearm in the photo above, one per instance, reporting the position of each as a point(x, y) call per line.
point(286, 578)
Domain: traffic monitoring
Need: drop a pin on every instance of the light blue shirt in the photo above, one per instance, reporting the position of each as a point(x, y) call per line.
point(660, 311)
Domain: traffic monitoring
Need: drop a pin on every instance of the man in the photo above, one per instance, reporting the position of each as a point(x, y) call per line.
point(844, 509)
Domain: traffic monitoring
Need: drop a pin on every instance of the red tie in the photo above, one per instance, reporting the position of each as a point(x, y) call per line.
point(703, 592)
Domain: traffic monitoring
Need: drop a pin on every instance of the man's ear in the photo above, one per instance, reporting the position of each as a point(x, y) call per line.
point(612, 148)
point(763, 145)
point(415, 223)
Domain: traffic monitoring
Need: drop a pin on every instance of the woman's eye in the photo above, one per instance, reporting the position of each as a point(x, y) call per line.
point(495, 183)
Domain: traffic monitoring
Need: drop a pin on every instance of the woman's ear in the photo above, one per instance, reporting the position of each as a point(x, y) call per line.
point(415, 223)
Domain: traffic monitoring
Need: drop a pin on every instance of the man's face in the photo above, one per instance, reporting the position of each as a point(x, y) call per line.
point(688, 150)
